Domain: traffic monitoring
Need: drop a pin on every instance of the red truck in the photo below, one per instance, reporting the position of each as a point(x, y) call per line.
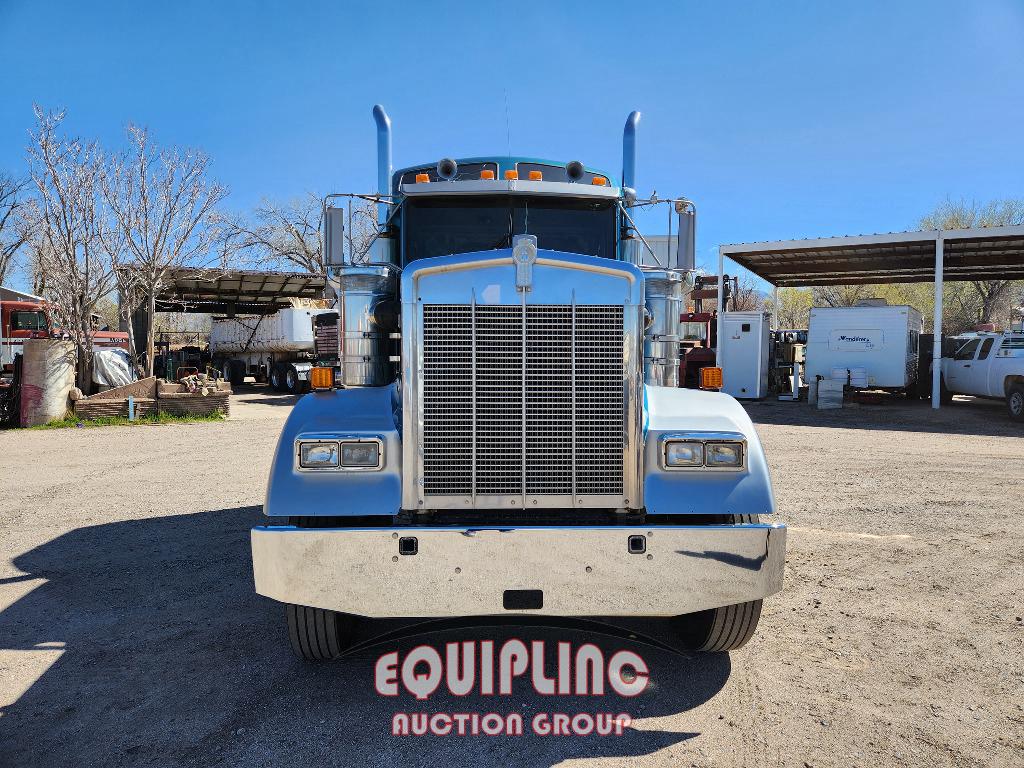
point(20, 320)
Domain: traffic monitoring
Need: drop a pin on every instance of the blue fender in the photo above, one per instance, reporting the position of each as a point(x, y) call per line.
point(343, 413)
point(701, 492)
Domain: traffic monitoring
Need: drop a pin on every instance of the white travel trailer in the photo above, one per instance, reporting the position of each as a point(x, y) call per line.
point(872, 347)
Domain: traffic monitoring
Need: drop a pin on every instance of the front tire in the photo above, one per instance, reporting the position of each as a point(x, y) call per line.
point(317, 634)
point(721, 629)
point(1015, 402)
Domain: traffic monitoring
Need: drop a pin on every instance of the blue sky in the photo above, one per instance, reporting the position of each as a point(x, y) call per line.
point(781, 119)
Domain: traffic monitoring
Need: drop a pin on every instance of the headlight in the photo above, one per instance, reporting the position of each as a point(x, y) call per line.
point(318, 455)
point(684, 453)
point(724, 455)
point(360, 454)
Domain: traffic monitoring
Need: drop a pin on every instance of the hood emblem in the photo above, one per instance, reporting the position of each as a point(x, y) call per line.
point(524, 254)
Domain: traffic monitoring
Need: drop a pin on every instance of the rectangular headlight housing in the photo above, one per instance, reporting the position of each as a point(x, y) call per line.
point(684, 453)
point(322, 454)
point(362, 454)
point(724, 455)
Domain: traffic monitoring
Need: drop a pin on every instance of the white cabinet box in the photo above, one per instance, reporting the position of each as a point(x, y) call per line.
point(744, 354)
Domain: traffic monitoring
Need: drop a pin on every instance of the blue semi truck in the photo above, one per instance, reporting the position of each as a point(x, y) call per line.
point(503, 431)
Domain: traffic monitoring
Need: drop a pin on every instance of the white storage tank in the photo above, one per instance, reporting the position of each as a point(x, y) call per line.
point(872, 347)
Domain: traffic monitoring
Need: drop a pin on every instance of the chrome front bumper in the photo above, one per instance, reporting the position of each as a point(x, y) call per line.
point(584, 571)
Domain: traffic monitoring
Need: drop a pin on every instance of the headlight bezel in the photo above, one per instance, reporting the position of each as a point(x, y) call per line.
point(339, 441)
point(708, 440)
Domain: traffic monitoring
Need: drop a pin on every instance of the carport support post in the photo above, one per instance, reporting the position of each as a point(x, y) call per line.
point(775, 307)
point(720, 306)
point(937, 324)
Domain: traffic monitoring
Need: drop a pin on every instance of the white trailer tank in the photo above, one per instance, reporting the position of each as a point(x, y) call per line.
point(285, 331)
point(878, 345)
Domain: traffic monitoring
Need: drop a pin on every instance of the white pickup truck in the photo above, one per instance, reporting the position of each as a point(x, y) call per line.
point(987, 365)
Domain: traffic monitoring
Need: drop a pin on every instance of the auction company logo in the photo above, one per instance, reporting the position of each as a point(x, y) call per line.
point(474, 665)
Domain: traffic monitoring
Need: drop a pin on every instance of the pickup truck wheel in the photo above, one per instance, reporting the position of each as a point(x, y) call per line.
point(945, 396)
point(317, 634)
point(1015, 402)
point(722, 629)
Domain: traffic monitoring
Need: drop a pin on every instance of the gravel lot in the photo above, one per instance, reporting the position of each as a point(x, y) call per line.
point(130, 635)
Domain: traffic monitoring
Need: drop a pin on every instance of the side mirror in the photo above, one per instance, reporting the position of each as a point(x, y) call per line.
point(334, 237)
point(686, 244)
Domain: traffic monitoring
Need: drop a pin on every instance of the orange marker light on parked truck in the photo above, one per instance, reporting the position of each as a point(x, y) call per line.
point(536, 176)
point(422, 178)
point(487, 175)
point(710, 378)
point(600, 181)
point(321, 378)
point(511, 175)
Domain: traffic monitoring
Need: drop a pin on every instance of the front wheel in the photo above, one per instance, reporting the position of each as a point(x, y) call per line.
point(722, 629)
point(317, 634)
point(1015, 402)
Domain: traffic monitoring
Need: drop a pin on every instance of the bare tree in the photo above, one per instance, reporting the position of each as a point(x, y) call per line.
point(164, 206)
point(288, 235)
point(992, 298)
point(72, 265)
point(16, 219)
point(746, 297)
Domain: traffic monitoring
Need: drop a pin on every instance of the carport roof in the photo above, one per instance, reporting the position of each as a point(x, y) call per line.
point(986, 253)
point(241, 291)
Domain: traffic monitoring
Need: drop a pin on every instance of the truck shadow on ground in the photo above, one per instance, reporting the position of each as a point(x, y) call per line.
point(963, 416)
point(169, 658)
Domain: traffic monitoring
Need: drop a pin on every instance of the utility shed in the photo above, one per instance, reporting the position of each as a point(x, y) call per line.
point(986, 253)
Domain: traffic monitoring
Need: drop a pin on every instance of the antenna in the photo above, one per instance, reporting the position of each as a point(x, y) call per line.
point(508, 130)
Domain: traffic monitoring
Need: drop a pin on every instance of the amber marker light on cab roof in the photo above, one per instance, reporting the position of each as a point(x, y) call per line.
point(487, 175)
point(536, 176)
point(511, 175)
point(600, 181)
point(422, 178)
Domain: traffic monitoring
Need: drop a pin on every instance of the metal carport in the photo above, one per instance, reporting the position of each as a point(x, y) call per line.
point(986, 253)
point(225, 292)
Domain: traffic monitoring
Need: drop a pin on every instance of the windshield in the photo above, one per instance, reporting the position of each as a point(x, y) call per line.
point(441, 226)
point(28, 321)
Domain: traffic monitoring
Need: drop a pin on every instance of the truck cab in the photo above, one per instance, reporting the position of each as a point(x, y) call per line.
point(989, 365)
point(498, 438)
point(20, 320)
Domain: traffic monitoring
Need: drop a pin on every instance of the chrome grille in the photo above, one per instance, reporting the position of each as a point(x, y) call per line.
point(523, 401)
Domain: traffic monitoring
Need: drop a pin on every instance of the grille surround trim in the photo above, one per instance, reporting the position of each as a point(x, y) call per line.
point(599, 278)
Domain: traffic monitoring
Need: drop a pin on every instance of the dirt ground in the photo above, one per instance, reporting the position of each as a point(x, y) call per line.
point(130, 634)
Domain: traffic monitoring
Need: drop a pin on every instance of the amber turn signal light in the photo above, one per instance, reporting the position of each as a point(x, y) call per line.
point(511, 175)
point(321, 378)
point(487, 175)
point(600, 181)
point(710, 378)
point(422, 178)
point(536, 176)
